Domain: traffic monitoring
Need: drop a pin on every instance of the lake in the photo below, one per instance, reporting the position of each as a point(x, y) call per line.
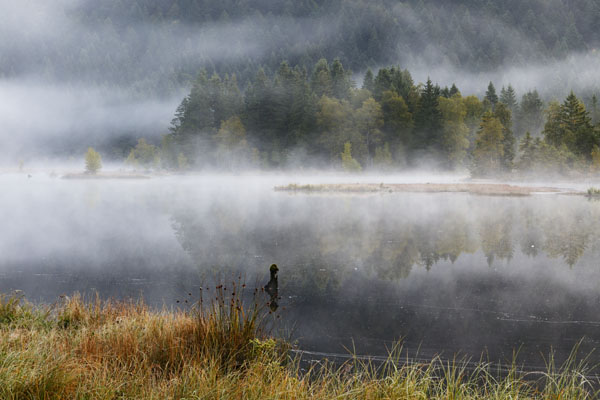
point(445, 272)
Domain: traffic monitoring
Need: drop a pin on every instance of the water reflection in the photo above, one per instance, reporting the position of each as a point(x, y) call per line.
point(272, 288)
point(389, 236)
point(445, 272)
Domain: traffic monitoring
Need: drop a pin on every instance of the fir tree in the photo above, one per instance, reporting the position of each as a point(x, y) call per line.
point(340, 80)
point(530, 116)
point(509, 98)
point(489, 146)
point(368, 81)
point(428, 119)
point(491, 96)
point(527, 148)
point(505, 117)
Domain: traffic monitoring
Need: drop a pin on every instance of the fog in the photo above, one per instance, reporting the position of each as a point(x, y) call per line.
point(50, 119)
point(61, 97)
point(552, 79)
point(446, 271)
point(66, 83)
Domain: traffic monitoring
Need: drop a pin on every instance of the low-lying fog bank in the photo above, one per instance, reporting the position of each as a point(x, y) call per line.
point(274, 178)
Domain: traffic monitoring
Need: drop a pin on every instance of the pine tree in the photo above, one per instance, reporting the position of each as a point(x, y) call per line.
point(553, 133)
point(454, 90)
point(530, 116)
point(491, 96)
point(454, 139)
point(398, 121)
point(489, 146)
point(527, 148)
point(505, 117)
point(576, 124)
point(383, 82)
point(428, 119)
point(570, 125)
point(369, 120)
point(321, 82)
point(368, 81)
point(260, 111)
point(340, 80)
point(509, 98)
point(595, 112)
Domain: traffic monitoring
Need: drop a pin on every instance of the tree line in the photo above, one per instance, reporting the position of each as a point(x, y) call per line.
point(296, 118)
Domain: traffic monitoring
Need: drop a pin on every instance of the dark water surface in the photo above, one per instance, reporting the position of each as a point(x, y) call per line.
point(445, 272)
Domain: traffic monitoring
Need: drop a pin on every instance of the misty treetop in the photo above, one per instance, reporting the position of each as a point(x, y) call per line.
point(146, 54)
point(296, 117)
point(155, 46)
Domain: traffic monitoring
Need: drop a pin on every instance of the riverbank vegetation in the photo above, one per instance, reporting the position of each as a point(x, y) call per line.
point(221, 349)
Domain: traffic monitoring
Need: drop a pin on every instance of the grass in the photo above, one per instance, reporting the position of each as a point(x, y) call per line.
point(221, 349)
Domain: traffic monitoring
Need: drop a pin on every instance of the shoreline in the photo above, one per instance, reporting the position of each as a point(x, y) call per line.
point(488, 189)
point(101, 176)
point(223, 349)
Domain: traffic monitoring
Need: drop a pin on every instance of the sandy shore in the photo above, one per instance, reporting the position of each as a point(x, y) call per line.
point(104, 176)
point(492, 189)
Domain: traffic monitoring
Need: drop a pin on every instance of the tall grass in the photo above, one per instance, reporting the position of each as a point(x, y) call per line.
point(221, 348)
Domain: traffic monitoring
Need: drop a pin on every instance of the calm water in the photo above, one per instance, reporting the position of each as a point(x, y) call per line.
point(444, 272)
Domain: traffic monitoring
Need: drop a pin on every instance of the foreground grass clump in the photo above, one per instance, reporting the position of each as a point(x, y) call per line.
point(220, 349)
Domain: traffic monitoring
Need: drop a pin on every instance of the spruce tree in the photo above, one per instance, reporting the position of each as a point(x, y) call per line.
point(428, 119)
point(576, 126)
point(489, 146)
point(368, 81)
point(595, 111)
point(530, 115)
point(491, 96)
point(505, 117)
point(321, 82)
point(340, 80)
point(509, 98)
point(527, 149)
point(454, 90)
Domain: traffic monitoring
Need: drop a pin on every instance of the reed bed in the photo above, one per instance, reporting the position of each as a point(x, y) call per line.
point(222, 349)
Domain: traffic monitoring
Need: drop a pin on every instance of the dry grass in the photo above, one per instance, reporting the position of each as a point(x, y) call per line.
point(490, 189)
point(221, 350)
point(105, 175)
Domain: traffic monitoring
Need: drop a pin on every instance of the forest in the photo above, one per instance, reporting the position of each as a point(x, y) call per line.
point(127, 60)
point(298, 119)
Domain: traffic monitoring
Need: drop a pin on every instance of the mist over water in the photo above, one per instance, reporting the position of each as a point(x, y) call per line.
point(448, 272)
